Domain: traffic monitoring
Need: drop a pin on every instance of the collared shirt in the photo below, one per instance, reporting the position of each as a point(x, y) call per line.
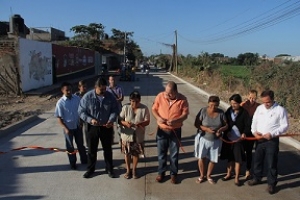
point(273, 120)
point(67, 110)
point(170, 111)
point(91, 107)
point(117, 92)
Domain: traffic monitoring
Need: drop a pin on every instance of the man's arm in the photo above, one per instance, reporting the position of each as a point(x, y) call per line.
point(114, 111)
point(82, 110)
point(155, 107)
point(283, 124)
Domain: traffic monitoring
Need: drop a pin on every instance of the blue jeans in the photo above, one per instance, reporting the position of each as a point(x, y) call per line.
point(266, 150)
point(168, 141)
point(78, 136)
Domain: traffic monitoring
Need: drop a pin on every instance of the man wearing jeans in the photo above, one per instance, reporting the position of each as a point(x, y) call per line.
point(269, 121)
point(66, 112)
point(99, 109)
point(170, 109)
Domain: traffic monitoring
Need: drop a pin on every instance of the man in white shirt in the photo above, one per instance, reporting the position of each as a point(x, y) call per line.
point(269, 121)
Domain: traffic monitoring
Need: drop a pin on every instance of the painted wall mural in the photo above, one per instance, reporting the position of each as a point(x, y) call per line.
point(36, 64)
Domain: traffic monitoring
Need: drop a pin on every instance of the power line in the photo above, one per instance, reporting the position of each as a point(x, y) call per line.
point(270, 20)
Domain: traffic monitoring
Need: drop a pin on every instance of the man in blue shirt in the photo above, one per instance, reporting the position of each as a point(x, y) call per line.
point(99, 109)
point(66, 112)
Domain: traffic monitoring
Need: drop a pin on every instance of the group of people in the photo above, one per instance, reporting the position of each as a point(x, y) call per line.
point(94, 113)
point(231, 134)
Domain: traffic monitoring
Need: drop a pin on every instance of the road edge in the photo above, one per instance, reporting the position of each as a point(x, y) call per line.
point(286, 140)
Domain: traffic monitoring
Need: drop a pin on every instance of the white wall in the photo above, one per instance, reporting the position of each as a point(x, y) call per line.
point(35, 64)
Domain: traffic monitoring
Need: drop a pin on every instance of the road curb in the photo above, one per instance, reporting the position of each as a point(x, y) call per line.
point(285, 140)
point(15, 126)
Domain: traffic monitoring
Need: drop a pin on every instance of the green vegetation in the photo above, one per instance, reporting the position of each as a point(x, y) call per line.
point(241, 72)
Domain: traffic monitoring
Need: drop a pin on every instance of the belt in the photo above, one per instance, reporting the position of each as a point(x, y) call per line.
point(168, 130)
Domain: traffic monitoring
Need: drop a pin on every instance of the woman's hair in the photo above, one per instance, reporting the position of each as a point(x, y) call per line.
point(214, 99)
point(236, 97)
point(135, 95)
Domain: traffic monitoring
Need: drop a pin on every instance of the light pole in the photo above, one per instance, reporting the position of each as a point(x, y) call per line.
point(124, 47)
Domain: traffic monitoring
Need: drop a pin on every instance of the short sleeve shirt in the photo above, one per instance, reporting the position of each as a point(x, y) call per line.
point(212, 123)
point(127, 114)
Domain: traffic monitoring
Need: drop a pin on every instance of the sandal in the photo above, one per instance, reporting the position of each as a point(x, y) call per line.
point(134, 175)
point(211, 181)
point(127, 175)
point(200, 180)
point(226, 178)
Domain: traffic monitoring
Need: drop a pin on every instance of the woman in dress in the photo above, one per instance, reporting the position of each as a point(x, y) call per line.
point(239, 126)
point(133, 119)
point(210, 122)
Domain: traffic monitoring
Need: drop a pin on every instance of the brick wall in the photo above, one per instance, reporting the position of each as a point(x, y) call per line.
point(9, 67)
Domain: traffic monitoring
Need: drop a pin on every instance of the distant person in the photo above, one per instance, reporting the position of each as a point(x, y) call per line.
point(134, 117)
point(250, 105)
point(211, 123)
point(68, 118)
point(133, 70)
point(270, 120)
point(239, 127)
point(82, 86)
point(118, 93)
point(170, 109)
point(99, 109)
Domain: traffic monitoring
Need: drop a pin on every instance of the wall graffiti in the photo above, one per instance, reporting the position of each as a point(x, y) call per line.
point(36, 64)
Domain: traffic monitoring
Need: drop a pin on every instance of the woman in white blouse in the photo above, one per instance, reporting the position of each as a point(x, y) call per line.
point(133, 119)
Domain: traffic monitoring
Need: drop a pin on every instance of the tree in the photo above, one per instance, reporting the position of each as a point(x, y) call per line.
point(88, 36)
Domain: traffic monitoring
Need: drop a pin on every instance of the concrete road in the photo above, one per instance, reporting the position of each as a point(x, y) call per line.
point(43, 174)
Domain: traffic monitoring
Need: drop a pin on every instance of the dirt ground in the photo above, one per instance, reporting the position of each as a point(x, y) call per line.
point(14, 109)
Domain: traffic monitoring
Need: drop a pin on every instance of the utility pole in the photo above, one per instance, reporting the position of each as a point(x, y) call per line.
point(125, 48)
point(176, 64)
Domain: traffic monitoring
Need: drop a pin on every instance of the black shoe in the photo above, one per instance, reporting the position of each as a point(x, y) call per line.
point(88, 174)
point(73, 167)
point(84, 162)
point(271, 189)
point(253, 182)
point(111, 174)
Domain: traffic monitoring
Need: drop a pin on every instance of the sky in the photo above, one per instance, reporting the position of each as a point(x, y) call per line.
point(230, 27)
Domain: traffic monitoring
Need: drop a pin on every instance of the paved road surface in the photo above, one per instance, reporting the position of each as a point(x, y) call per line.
point(38, 174)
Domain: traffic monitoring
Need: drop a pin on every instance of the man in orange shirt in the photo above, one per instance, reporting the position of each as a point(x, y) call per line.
point(170, 109)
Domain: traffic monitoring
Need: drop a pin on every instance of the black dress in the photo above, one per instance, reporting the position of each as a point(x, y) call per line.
point(235, 152)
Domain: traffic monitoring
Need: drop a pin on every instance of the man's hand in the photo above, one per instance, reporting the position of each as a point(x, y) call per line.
point(109, 124)
point(170, 122)
point(258, 135)
point(267, 136)
point(66, 131)
point(161, 120)
point(94, 122)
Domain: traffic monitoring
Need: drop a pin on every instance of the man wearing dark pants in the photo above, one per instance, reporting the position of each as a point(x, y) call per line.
point(66, 113)
point(269, 121)
point(170, 109)
point(99, 109)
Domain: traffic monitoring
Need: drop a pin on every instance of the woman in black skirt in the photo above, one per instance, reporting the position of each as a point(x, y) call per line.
point(239, 127)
